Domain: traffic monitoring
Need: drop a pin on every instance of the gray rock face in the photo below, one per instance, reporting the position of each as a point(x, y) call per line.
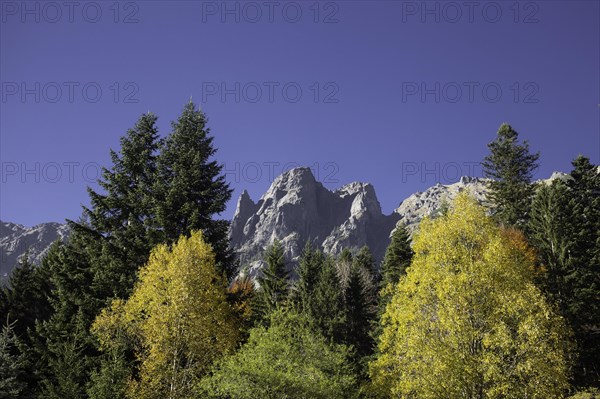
point(297, 208)
point(432, 200)
point(15, 239)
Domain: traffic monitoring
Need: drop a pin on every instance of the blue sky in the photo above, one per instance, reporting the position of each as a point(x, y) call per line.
point(400, 94)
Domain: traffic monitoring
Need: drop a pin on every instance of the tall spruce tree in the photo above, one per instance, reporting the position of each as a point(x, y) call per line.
point(565, 228)
point(326, 306)
point(510, 165)
point(123, 216)
point(154, 191)
point(364, 259)
point(274, 281)
point(396, 261)
point(191, 188)
point(397, 256)
point(318, 294)
point(549, 232)
point(360, 296)
point(309, 267)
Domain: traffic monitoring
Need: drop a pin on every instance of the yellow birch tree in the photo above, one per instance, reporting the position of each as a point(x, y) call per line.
point(467, 321)
point(177, 320)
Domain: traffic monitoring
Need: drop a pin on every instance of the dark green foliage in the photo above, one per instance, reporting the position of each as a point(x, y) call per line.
point(100, 261)
point(109, 381)
point(25, 299)
point(309, 268)
point(326, 306)
point(190, 187)
point(565, 229)
point(65, 350)
point(318, 293)
point(398, 256)
point(360, 300)
point(123, 216)
point(511, 166)
point(155, 191)
point(23, 303)
point(70, 361)
point(13, 365)
point(339, 297)
point(364, 259)
point(396, 260)
point(549, 232)
point(274, 281)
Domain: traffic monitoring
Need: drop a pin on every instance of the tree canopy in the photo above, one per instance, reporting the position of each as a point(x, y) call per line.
point(177, 318)
point(289, 359)
point(467, 320)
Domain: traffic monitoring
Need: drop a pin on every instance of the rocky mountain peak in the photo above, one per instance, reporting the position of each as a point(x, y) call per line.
point(297, 208)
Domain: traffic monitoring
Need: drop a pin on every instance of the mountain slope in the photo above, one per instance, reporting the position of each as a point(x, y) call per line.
point(15, 239)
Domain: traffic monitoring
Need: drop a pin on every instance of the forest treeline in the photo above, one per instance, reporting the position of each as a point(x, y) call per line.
point(494, 300)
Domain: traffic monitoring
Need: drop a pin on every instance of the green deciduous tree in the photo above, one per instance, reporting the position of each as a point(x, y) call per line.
point(467, 320)
point(511, 166)
point(289, 359)
point(177, 318)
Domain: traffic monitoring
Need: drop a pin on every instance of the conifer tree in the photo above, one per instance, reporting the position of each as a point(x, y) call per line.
point(65, 336)
point(565, 228)
point(360, 303)
point(154, 191)
point(13, 365)
point(25, 299)
point(326, 306)
point(123, 217)
point(396, 261)
point(274, 281)
point(364, 259)
point(70, 363)
point(511, 166)
point(24, 303)
point(397, 256)
point(309, 267)
point(190, 187)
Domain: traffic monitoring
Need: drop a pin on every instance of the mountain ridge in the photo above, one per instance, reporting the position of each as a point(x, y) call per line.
point(295, 209)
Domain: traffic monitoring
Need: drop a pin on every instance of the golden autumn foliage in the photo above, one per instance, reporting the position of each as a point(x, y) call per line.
point(467, 321)
point(177, 320)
